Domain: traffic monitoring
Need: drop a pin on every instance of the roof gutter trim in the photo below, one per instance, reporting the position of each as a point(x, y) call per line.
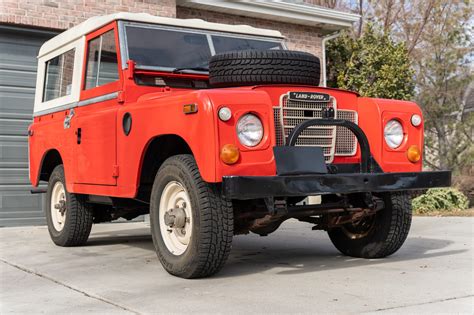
point(298, 13)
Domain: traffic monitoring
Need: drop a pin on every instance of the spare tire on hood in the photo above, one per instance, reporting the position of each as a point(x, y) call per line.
point(255, 67)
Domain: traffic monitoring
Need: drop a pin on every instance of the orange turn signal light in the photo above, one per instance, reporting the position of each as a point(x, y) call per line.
point(190, 108)
point(230, 154)
point(414, 153)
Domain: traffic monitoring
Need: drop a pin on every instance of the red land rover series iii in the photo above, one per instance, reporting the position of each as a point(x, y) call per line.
point(215, 130)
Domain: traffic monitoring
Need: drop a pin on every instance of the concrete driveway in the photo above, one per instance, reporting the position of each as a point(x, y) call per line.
point(294, 270)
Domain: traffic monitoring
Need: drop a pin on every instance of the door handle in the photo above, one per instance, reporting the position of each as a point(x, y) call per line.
point(67, 120)
point(79, 135)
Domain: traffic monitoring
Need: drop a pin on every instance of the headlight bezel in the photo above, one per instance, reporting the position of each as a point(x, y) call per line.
point(254, 140)
point(394, 133)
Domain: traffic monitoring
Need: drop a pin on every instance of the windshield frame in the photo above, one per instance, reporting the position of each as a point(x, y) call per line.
point(208, 33)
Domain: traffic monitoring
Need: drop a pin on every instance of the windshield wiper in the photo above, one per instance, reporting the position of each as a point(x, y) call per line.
point(180, 70)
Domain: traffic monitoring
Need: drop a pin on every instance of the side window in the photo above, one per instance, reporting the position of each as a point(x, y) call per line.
point(58, 80)
point(102, 64)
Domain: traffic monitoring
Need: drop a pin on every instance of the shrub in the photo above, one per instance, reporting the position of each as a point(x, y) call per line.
point(373, 65)
point(440, 199)
point(465, 184)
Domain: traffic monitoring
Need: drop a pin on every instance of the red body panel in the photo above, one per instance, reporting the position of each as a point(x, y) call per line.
point(108, 162)
point(97, 151)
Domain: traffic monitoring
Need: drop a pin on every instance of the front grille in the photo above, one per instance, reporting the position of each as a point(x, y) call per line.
point(346, 141)
point(333, 140)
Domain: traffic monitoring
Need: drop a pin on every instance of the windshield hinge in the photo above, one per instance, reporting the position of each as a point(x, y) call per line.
point(131, 69)
point(120, 97)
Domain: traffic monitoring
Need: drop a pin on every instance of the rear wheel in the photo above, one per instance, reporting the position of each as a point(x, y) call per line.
point(379, 235)
point(191, 223)
point(68, 215)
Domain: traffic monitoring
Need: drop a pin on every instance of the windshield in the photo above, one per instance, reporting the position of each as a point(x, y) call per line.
point(168, 49)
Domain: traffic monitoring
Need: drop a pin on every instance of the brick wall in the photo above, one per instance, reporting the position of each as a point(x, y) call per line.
point(299, 37)
point(63, 14)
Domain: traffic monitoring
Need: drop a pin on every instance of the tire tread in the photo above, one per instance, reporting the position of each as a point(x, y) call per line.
point(252, 67)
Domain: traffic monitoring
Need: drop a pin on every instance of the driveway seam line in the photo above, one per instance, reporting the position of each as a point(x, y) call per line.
point(32, 272)
point(422, 303)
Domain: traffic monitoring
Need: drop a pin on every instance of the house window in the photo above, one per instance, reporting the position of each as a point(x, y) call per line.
point(102, 63)
point(58, 80)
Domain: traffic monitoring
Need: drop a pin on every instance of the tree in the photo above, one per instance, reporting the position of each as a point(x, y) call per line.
point(404, 20)
point(438, 39)
point(444, 72)
point(373, 65)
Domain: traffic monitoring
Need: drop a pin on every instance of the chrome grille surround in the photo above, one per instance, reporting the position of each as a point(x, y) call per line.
point(333, 140)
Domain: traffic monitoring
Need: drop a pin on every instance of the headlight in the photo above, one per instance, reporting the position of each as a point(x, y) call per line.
point(249, 130)
point(393, 133)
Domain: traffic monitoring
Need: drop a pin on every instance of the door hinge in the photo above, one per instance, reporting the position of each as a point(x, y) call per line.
point(120, 97)
point(115, 172)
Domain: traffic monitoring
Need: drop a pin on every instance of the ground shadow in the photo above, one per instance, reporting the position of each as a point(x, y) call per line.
point(290, 250)
point(138, 237)
point(318, 254)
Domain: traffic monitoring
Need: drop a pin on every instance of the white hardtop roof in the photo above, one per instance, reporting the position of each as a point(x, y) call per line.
point(97, 22)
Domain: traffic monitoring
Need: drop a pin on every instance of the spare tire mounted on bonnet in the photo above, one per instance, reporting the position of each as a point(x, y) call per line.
point(254, 67)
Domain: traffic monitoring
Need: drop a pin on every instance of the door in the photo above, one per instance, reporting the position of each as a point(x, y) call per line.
point(95, 136)
point(19, 47)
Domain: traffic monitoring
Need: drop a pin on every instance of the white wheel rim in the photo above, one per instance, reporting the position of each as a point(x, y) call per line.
point(58, 206)
point(176, 239)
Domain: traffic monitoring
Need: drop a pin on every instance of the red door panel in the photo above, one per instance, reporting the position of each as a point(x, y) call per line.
point(95, 148)
point(95, 125)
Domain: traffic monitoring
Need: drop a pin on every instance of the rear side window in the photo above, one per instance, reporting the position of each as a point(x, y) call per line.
point(58, 80)
point(102, 63)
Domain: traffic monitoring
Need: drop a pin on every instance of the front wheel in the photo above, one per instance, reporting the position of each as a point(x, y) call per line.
point(191, 223)
point(379, 235)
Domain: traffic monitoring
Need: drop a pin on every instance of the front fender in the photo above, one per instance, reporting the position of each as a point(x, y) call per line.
point(374, 113)
point(163, 115)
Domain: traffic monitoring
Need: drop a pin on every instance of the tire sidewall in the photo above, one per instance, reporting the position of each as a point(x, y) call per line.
point(176, 264)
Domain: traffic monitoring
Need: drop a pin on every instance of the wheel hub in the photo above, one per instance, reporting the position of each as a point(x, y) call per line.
point(61, 206)
point(359, 229)
point(58, 208)
point(176, 217)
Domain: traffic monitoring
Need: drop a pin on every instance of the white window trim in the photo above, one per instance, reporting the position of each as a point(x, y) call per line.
point(60, 102)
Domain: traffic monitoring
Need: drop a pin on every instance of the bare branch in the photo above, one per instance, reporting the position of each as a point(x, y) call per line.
point(426, 15)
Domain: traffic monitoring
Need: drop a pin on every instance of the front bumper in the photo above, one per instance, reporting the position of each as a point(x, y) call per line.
point(367, 180)
point(253, 187)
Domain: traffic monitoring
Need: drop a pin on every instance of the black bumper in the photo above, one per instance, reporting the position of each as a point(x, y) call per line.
point(253, 187)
